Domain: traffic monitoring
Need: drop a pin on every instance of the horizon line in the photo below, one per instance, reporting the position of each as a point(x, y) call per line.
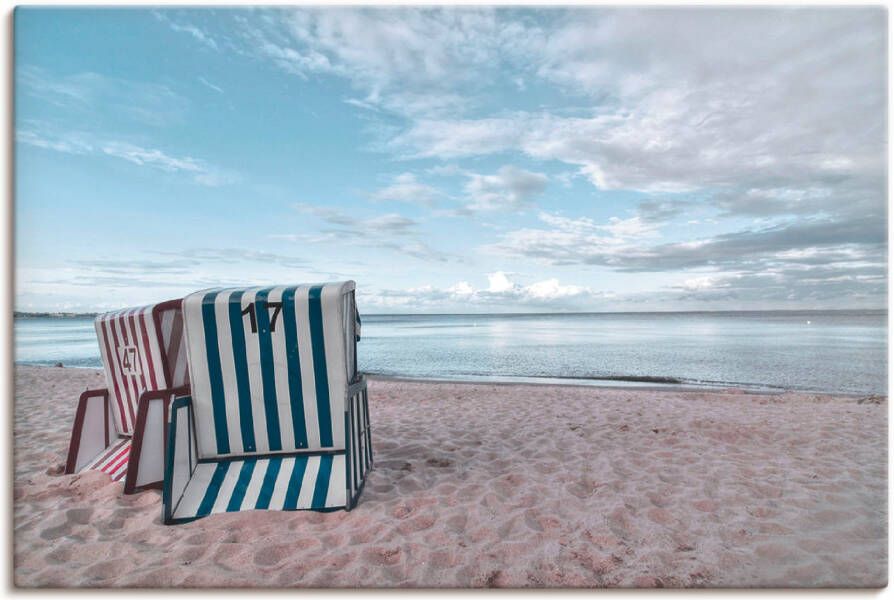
point(67, 314)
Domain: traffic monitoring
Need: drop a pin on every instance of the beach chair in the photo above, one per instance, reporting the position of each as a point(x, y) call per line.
point(278, 416)
point(121, 429)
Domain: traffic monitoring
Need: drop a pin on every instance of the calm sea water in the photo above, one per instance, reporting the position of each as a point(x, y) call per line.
point(840, 351)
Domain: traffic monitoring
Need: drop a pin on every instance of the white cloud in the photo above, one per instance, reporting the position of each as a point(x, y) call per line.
point(501, 295)
point(389, 231)
point(816, 262)
point(73, 143)
point(633, 227)
point(776, 111)
point(551, 289)
point(201, 172)
point(406, 188)
point(706, 282)
point(499, 283)
point(210, 85)
point(91, 95)
point(677, 99)
point(78, 142)
point(510, 188)
point(410, 61)
point(461, 288)
point(391, 223)
point(197, 33)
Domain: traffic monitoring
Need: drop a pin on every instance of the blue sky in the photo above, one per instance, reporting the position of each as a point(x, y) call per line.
point(454, 160)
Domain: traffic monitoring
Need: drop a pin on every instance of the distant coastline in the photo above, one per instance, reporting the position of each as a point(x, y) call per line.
point(55, 315)
point(781, 311)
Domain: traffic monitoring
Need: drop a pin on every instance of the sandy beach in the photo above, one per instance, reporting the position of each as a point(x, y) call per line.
point(498, 485)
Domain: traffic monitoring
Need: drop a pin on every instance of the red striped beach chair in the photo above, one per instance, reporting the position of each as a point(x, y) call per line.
point(120, 429)
point(278, 416)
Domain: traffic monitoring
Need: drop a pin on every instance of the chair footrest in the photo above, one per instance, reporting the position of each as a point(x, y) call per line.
point(264, 483)
point(113, 460)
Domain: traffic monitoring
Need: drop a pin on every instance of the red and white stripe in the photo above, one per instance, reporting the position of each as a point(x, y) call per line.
point(113, 460)
point(130, 331)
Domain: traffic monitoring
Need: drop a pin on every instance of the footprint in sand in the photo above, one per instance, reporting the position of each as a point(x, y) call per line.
point(275, 554)
point(777, 553)
point(662, 516)
point(79, 516)
point(381, 555)
point(53, 531)
point(707, 506)
point(107, 569)
point(419, 523)
point(619, 522)
point(457, 523)
point(191, 554)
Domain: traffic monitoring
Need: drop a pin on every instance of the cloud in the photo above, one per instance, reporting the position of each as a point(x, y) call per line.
point(764, 112)
point(390, 223)
point(499, 283)
point(393, 224)
point(73, 143)
point(583, 242)
point(197, 33)
point(210, 85)
point(155, 275)
point(405, 60)
point(197, 256)
point(84, 143)
point(131, 267)
point(766, 99)
point(406, 188)
point(150, 157)
point(510, 188)
point(812, 287)
point(91, 95)
point(186, 261)
point(818, 262)
point(390, 231)
point(501, 295)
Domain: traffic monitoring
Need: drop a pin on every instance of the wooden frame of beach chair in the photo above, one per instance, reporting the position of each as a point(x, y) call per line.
point(278, 415)
point(121, 429)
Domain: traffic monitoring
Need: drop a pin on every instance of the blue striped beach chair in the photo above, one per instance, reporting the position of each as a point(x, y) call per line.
point(277, 416)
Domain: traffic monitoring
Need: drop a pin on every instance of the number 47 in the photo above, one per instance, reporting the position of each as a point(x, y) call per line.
point(251, 311)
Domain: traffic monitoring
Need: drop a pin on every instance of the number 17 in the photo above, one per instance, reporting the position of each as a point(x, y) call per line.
point(251, 311)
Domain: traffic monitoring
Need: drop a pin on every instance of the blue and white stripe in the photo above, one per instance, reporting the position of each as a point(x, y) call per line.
point(274, 391)
point(269, 483)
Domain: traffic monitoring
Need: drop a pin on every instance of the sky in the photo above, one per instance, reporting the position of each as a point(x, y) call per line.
point(454, 159)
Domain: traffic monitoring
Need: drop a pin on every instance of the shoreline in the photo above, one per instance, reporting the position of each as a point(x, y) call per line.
point(597, 383)
point(490, 485)
point(593, 383)
point(611, 382)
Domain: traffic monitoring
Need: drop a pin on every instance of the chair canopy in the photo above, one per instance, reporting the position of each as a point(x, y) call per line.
point(270, 367)
point(142, 349)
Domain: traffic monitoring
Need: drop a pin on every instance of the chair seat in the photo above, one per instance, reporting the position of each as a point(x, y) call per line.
point(271, 482)
point(113, 460)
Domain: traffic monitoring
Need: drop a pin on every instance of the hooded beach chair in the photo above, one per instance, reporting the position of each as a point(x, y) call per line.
point(120, 429)
point(278, 416)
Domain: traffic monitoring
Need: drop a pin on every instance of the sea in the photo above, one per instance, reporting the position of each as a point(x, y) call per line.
point(823, 351)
